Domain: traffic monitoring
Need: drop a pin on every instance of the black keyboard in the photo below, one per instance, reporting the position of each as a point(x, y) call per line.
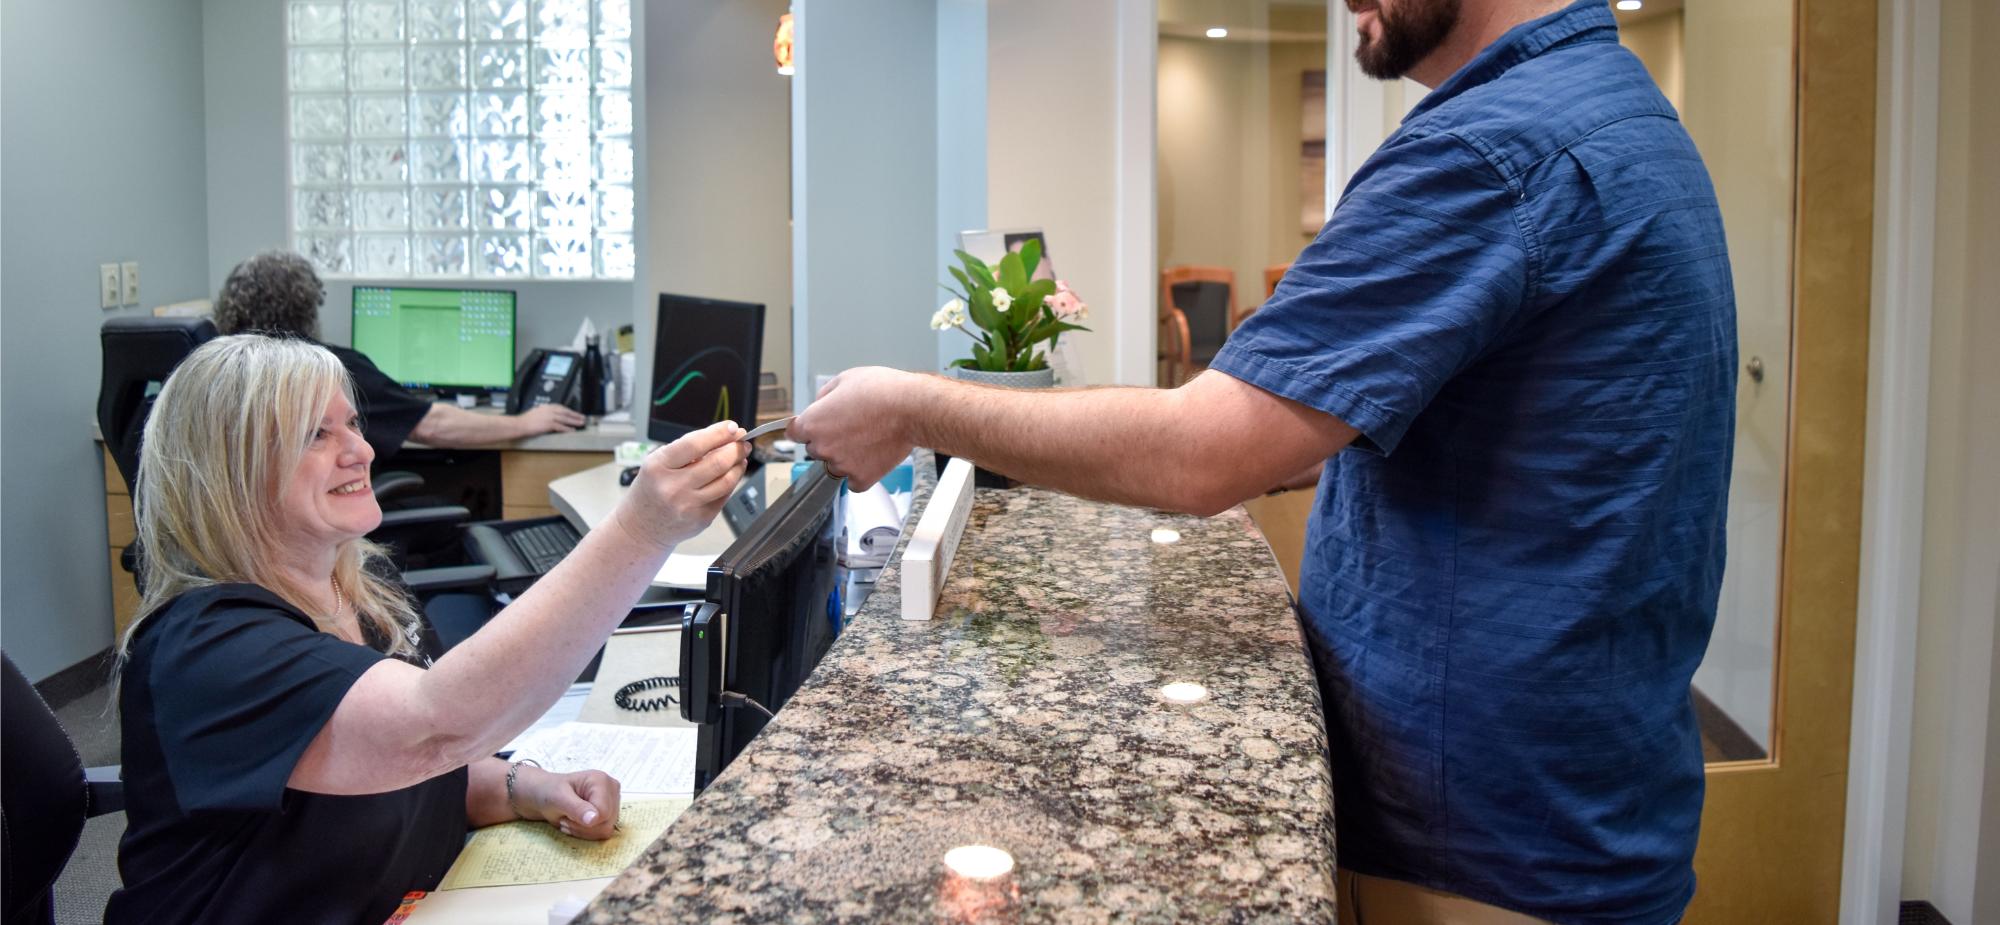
point(544, 545)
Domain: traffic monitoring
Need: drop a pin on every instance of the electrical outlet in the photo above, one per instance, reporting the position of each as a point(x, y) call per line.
point(110, 286)
point(130, 271)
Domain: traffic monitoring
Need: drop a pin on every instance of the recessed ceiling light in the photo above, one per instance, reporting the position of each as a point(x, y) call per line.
point(1630, 5)
point(1165, 535)
point(979, 862)
point(1184, 692)
point(1217, 32)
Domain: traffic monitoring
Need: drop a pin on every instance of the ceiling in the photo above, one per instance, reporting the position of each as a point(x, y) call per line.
point(1246, 20)
point(1652, 9)
point(1301, 20)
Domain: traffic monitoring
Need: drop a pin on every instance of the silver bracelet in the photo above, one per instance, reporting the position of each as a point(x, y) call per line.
point(514, 768)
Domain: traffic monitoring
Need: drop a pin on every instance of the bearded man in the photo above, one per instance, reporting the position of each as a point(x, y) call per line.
point(1508, 360)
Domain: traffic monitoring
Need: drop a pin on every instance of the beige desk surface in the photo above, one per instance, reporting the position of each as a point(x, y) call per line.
point(587, 497)
point(598, 436)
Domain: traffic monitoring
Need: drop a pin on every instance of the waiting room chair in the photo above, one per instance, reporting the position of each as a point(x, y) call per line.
point(46, 794)
point(1204, 298)
point(1176, 353)
point(1272, 275)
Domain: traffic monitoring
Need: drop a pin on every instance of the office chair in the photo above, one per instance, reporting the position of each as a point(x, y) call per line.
point(140, 352)
point(46, 794)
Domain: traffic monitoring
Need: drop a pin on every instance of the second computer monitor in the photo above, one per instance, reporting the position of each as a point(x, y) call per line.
point(706, 357)
point(444, 339)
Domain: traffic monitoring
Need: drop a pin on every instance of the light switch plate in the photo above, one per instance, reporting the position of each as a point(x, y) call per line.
point(109, 285)
point(130, 271)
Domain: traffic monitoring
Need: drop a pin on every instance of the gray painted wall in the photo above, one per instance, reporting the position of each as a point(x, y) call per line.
point(718, 151)
point(245, 65)
point(864, 187)
point(103, 160)
point(961, 146)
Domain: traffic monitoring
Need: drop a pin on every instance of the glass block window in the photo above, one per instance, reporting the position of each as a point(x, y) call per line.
point(478, 139)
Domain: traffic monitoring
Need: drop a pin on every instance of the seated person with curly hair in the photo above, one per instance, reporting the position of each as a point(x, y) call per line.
point(292, 750)
point(277, 293)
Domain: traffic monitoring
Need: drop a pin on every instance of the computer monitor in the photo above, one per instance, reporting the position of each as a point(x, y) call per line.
point(706, 356)
point(449, 340)
point(770, 614)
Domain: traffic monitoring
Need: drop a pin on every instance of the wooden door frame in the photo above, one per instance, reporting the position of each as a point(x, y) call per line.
point(1778, 835)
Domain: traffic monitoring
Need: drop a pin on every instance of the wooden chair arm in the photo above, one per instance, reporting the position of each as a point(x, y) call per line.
point(1177, 346)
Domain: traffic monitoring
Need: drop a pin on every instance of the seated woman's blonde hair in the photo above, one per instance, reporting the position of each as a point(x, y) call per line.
point(224, 438)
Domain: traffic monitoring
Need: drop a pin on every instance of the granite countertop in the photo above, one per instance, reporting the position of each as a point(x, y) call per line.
point(1028, 716)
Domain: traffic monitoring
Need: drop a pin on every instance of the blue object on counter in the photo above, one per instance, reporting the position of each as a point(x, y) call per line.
point(900, 480)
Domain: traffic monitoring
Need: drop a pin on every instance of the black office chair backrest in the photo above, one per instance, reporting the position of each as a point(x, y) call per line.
point(1206, 305)
point(138, 354)
point(43, 798)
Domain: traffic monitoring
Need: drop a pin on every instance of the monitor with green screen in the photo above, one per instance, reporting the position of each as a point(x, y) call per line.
point(447, 339)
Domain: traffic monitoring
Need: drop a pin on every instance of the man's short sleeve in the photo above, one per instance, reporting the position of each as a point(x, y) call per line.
point(239, 688)
point(1420, 270)
point(389, 412)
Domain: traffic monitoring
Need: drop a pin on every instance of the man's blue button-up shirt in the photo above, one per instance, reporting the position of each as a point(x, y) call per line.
point(1523, 303)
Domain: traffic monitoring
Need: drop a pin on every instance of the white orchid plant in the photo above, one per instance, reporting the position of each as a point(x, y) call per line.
point(1009, 311)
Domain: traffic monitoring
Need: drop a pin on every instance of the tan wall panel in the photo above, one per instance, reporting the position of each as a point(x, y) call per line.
point(114, 484)
point(124, 597)
point(118, 519)
point(525, 475)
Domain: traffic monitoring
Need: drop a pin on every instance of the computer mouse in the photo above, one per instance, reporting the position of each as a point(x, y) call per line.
point(626, 477)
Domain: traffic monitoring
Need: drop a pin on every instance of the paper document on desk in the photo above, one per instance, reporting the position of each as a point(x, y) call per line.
point(534, 852)
point(644, 759)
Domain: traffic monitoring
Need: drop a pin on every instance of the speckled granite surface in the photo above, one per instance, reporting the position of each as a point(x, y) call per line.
point(1028, 717)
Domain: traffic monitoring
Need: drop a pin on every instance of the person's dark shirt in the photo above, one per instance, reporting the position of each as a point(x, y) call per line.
point(389, 412)
point(223, 690)
point(1523, 303)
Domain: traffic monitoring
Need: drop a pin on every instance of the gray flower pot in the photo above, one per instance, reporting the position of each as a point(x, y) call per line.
point(1044, 378)
point(1039, 379)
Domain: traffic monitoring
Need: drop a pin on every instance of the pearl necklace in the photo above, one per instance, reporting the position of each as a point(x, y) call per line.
point(339, 601)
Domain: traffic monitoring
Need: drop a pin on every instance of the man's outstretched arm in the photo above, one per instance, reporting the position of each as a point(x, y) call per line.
point(1201, 448)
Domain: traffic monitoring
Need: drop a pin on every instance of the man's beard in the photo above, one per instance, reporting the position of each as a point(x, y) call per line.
point(1409, 32)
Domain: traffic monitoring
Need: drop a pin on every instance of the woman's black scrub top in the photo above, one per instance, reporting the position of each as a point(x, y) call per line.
point(224, 689)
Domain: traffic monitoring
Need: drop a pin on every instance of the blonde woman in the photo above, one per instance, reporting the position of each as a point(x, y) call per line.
point(289, 752)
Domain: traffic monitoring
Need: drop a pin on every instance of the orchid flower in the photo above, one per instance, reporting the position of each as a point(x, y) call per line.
point(1066, 305)
point(949, 315)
